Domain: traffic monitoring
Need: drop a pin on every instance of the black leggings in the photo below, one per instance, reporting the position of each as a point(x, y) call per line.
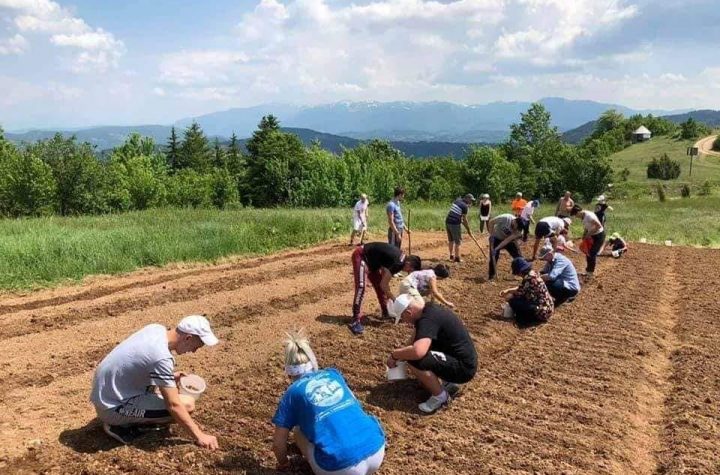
point(598, 241)
point(511, 248)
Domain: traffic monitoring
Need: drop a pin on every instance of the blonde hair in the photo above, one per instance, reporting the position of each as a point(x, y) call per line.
point(297, 349)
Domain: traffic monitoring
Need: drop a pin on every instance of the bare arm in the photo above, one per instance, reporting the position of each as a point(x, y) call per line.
point(280, 438)
point(436, 293)
point(466, 224)
point(385, 283)
point(507, 241)
point(180, 413)
point(412, 352)
point(391, 222)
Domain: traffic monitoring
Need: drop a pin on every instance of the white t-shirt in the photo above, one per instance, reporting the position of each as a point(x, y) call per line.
point(142, 360)
point(360, 208)
point(527, 211)
point(588, 221)
point(420, 279)
point(556, 224)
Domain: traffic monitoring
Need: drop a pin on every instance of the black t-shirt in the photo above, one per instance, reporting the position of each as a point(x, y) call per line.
point(382, 254)
point(447, 332)
point(618, 244)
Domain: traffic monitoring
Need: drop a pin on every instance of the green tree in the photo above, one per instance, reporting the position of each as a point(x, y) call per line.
point(78, 175)
point(224, 190)
point(608, 120)
point(27, 187)
point(663, 168)
point(195, 151)
point(692, 129)
point(716, 144)
point(487, 171)
point(274, 166)
point(172, 150)
point(219, 157)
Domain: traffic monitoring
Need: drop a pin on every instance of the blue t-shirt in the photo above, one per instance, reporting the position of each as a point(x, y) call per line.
point(457, 210)
point(331, 419)
point(397, 217)
point(561, 268)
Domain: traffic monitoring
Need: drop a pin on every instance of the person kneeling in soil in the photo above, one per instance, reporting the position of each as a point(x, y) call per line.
point(423, 283)
point(441, 354)
point(124, 386)
point(530, 301)
point(378, 262)
point(331, 429)
point(559, 275)
point(618, 246)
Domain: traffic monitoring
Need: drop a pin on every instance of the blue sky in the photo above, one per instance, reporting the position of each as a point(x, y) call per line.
point(82, 62)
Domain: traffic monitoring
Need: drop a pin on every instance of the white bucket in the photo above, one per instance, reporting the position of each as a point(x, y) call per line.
point(507, 311)
point(398, 373)
point(192, 385)
point(643, 240)
point(616, 254)
point(668, 243)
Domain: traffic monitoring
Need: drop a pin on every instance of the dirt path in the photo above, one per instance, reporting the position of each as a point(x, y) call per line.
point(606, 387)
point(705, 146)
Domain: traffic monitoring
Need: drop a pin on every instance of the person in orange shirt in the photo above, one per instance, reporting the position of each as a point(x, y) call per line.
point(518, 204)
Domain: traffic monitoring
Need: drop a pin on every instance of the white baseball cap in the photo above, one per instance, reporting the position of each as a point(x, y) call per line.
point(399, 305)
point(199, 326)
point(568, 221)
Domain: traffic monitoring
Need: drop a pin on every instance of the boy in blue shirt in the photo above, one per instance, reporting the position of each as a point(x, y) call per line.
point(396, 223)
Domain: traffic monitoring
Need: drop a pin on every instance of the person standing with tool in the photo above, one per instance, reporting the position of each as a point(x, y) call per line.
point(396, 223)
point(455, 217)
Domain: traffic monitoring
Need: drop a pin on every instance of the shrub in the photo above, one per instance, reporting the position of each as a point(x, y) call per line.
point(624, 174)
point(663, 168)
point(660, 188)
point(705, 189)
point(716, 144)
point(685, 191)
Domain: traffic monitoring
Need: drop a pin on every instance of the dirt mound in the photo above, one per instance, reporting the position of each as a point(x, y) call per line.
point(623, 380)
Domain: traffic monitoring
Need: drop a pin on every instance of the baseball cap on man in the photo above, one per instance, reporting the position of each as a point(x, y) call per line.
point(469, 196)
point(545, 251)
point(568, 221)
point(199, 326)
point(399, 305)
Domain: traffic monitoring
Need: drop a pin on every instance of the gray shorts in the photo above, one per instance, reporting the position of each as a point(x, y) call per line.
point(454, 233)
point(146, 408)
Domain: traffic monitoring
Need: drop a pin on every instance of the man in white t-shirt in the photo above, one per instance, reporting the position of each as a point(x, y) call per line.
point(546, 227)
point(127, 381)
point(360, 219)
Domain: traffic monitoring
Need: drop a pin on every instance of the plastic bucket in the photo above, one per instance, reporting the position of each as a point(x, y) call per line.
point(616, 254)
point(398, 373)
point(668, 243)
point(507, 311)
point(643, 240)
point(192, 385)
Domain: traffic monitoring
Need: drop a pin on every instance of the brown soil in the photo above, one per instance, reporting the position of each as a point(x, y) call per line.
point(624, 380)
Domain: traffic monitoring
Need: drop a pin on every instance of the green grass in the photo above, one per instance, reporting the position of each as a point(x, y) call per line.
point(636, 158)
point(46, 251)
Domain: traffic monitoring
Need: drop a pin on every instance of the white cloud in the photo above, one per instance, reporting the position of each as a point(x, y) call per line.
point(95, 49)
point(16, 44)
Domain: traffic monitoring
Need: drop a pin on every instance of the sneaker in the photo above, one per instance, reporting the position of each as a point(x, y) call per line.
point(122, 434)
point(452, 389)
point(452, 258)
point(356, 327)
point(457, 259)
point(386, 316)
point(587, 276)
point(433, 404)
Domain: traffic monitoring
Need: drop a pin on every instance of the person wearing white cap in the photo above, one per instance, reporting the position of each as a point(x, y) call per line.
point(334, 434)
point(127, 381)
point(360, 219)
point(442, 354)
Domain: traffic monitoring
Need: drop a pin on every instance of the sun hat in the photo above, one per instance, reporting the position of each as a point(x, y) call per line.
point(544, 251)
point(518, 194)
point(615, 236)
point(485, 195)
point(601, 199)
point(568, 221)
point(199, 326)
point(520, 266)
point(399, 305)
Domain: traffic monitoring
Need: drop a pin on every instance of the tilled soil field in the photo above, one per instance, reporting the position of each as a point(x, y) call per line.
point(623, 380)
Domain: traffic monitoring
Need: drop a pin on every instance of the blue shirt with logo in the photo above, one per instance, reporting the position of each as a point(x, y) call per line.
point(330, 417)
point(397, 217)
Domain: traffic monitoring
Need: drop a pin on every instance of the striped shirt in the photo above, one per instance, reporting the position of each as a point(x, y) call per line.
point(457, 210)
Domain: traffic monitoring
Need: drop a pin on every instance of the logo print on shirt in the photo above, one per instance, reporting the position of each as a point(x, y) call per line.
point(324, 392)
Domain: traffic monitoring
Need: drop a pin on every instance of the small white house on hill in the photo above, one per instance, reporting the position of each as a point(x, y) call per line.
point(641, 134)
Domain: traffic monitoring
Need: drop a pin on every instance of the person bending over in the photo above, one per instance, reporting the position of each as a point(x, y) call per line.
point(441, 354)
point(378, 262)
point(526, 216)
point(549, 226)
point(594, 232)
point(126, 382)
point(530, 301)
point(618, 246)
point(559, 275)
point(504, 231)
point(423, 283)
point(331, 429)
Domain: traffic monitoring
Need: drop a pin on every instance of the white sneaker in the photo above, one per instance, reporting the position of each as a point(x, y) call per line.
point(434, 403)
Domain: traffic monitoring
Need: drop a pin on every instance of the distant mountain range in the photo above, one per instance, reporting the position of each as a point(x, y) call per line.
point(417, 128)
point(707, 116)
point(105, 138)
point(407, 121)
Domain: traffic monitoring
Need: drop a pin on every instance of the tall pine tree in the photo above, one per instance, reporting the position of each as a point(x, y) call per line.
point(219, 159)
point(172, 150)
point(195, 151)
